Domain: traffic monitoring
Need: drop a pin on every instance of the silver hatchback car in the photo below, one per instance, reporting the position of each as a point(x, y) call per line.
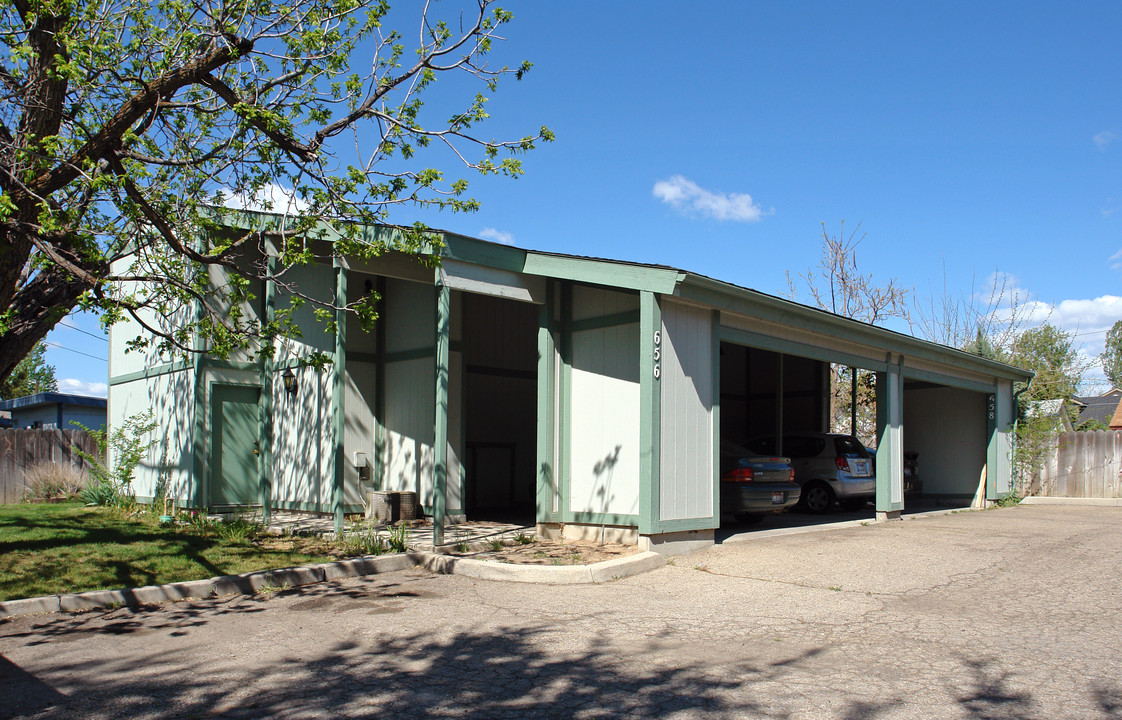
point(829, 467)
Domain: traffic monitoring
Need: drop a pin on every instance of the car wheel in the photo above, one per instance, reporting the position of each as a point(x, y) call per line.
point(818, 498)
point(852, 504)
point(749, 518)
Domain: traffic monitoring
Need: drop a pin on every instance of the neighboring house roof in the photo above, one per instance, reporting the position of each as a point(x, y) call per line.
point(1098, 408)
point(1116, 421)
point(51, 398)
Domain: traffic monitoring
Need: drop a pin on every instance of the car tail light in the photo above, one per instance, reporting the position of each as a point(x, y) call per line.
point(842, 463)
point(791, 475)
point(743, 474)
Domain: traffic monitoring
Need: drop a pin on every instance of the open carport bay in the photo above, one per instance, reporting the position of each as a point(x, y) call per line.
point(768, 393)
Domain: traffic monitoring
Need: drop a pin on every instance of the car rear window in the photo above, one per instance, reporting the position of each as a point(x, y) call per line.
point(762, 446)
point(801, 446)
point(849, 447)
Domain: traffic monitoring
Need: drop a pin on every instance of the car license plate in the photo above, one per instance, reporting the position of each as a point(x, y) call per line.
point(860, 467)
point(777, 498)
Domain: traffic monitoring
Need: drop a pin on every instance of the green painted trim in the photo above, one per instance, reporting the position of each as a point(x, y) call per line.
point(684, 524)
point(268, 370)
point(752, 303)
point(481, 252)
point(992, 448)
point(546, 407)
point(602, 272)
point(593, 518)
point(217, 389)
point(155, 371)
point(790, 347)
point(217, 364)
point(650, 412)
point(628, 317)
point(715, 360)
point(565, 433)
point(441, 373)
point(407, 355)
point(911, 373)
point(379, 468)
point(324, 508)
point(339, 396)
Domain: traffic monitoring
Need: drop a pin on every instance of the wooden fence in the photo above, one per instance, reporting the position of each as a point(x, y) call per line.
point(20, 449)
point(1085, 464)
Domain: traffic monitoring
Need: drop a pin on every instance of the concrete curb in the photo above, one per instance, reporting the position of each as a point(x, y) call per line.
point(284, 578)
point(600, 572)
point(1093, 502)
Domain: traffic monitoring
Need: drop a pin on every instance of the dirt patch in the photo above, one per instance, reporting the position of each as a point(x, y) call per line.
point(552, 552)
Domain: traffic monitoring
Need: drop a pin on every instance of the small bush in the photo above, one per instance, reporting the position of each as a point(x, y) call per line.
point(54, 480)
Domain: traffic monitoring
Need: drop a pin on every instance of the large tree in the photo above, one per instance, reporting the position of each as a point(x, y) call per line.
point(126, 125)
point(31, 375)
point(1049, 352)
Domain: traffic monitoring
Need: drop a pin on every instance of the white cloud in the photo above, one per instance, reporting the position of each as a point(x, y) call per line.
point(496, 236)
point(1104, 138)
point(688, 198)
point(1115, 261)
point(271, 198)
point(82, 387)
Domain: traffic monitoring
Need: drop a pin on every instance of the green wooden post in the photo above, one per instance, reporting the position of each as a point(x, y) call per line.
point(890, 441)
point(339, 394)
point(268, 369)
point(650, 412)
point(440, 442)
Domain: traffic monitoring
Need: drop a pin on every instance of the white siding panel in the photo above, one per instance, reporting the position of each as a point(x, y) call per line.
point(410, 315)
point(947, 427)
point(410, 416)
point(171, 459)
point(302, 439)
point(686, 475)
point(593, 302)
point(604, 467)
point(358, 433)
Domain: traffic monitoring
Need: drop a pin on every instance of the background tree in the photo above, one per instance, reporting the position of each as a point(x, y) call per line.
point(126, 126)
point(838, 286)
point(1111, 357)
point(1049, 352)
point(31, 375)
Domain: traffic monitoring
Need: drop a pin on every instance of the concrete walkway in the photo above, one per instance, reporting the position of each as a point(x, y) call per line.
point(1008, 614)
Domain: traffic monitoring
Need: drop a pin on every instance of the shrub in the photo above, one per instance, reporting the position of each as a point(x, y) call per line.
point(130, 444)
point(54, 480)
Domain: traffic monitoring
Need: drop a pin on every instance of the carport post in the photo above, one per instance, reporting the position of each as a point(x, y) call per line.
point(339, 394)
point(890, 440)
point(440, 441)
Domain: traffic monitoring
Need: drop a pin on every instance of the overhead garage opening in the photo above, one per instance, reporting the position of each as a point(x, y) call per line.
point(946, 429)
point(499, 349)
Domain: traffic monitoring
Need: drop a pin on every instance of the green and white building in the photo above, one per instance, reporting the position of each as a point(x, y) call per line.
point(586, 395)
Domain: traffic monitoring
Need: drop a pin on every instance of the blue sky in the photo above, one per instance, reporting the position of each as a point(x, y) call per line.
point(967, 139)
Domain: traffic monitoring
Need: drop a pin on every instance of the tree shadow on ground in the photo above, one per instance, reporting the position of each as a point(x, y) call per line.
point(546, 670)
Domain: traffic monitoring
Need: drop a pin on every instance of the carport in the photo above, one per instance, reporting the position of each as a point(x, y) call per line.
point(586, 395)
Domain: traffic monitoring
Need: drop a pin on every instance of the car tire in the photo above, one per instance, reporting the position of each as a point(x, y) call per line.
point(817, 498)
point(853, 504)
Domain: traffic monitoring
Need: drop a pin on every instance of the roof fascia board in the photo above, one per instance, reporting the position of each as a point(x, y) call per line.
point(743, 301)
point(602, 272)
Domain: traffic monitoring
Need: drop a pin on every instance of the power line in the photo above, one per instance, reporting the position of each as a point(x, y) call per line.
point(84, 332)
point(62, 347)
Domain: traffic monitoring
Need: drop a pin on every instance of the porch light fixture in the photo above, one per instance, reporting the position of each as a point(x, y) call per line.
point(289, 380)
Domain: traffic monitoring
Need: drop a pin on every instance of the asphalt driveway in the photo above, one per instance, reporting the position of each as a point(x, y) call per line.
point(1013, 613)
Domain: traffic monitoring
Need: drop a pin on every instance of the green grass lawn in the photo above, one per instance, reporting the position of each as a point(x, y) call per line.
point(50, 549)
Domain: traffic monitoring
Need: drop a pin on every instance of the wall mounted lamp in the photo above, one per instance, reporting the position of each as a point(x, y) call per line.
point(289, 380)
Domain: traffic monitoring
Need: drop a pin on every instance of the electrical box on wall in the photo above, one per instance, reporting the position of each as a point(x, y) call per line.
point(360, 460)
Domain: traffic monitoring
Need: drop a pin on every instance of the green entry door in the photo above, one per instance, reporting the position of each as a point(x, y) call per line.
point(233, 447)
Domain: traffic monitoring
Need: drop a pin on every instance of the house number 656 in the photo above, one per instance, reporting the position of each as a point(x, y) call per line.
point(657, 354)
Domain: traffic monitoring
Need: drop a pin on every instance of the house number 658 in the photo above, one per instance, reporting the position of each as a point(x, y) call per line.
point(657, 354)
